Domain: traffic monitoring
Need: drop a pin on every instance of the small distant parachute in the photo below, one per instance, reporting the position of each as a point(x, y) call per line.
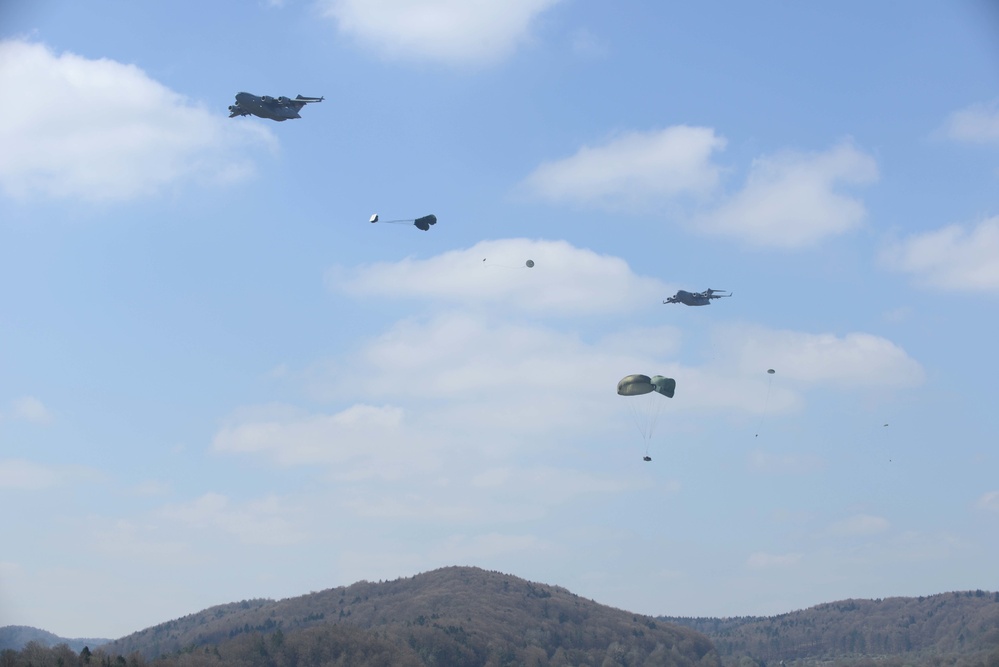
point(423, 223)
point(771, 371)
point(646, 410)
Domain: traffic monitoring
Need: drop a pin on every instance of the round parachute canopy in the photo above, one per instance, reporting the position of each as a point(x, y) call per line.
point(529, 264)
point(771, 371)
point(635, 385)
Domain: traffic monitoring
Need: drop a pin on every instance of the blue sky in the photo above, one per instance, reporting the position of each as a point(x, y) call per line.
point(219, 382)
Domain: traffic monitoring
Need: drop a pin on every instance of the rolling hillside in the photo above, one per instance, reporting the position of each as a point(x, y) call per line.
point(468, 616)
point(451, 616)
point(16, 636)
point(948, 624)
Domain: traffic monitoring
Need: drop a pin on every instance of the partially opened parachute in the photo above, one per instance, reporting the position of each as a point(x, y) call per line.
point(646, 410)
point(423, 223)
point(636, 385)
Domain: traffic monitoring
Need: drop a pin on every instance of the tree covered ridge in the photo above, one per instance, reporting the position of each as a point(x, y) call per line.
point(963, 625)
point(452, 616)
point(17, 636)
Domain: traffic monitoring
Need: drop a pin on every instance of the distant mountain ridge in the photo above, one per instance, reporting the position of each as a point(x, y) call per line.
point(450, 616)
point(958, 623)
point(16, 636)
point(469, 616)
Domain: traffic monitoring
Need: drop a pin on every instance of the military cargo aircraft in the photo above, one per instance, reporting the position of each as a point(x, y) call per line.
point(696, 298)
point(276, 108)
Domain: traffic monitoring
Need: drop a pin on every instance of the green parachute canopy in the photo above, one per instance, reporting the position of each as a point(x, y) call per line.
point(665, 386)
point(636, 385)
point(646, 411)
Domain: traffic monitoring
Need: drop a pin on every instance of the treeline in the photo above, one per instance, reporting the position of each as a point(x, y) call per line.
point(960, 629)
point(427, 643)
point(36, 654)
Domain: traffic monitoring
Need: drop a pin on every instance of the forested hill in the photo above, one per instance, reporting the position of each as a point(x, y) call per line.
point(16, 636)
point(951, 624)
point(451, 616)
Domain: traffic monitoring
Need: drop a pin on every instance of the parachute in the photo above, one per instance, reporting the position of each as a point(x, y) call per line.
point(423, 223)
point(636, 385)
point(646, 410)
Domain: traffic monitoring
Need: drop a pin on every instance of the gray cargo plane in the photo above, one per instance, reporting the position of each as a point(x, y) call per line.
point(696, 298)
point(275, 108)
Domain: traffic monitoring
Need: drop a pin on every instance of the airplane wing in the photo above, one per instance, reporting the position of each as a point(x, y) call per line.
point(301, 101)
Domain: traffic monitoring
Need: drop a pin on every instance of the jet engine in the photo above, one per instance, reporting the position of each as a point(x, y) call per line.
point(283, 100)
point(267, 99)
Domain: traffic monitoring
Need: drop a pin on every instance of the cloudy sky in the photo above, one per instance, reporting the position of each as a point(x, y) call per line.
point(218, 381)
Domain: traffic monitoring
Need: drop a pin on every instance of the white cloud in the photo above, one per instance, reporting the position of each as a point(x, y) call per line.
point(564, 280)
point(953, 258)
point(150, 487)
point(29, 409)
point(854, 360)
point(120, 538)
point(24, 475)
point(27, 476)
point(497, 495)
point(989, 501)
point(460, 32)
point(978, 123)
point(464, 386)
point(487, 370)
point(861, 524)
point(792, 200)
point(469, 369)
point(268, 521)
point(762, 560)
point(635, 171)
point(291, 437)
point(101, 130)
